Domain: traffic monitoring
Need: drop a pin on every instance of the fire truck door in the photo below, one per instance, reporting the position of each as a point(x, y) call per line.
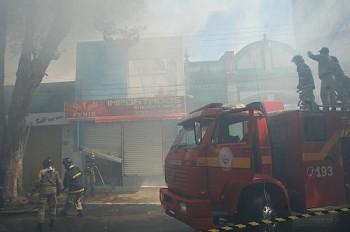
point(230, 152)
point(261, 151)
point(255, 151)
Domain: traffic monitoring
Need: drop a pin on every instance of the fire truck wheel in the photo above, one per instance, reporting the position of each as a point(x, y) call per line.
point(263, 207)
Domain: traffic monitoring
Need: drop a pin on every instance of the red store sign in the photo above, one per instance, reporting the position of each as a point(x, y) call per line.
point(149, 108)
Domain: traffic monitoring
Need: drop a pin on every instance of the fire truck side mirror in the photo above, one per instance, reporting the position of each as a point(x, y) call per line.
point(198, 132)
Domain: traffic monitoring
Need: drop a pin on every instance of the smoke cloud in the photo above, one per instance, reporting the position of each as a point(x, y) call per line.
point(209, 28)
point(212, 27)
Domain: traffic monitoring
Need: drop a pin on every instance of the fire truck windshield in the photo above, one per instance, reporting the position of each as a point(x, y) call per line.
point(186, 137)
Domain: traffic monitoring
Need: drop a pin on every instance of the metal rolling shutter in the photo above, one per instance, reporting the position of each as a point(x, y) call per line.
point(42, 141)
point(143, 148)
point(105, 137)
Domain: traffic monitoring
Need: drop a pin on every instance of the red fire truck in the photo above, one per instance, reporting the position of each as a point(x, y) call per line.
point(243, 163)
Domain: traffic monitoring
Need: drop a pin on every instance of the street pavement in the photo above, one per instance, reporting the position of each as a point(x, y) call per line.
point(120, 210)
point(134, 210)
point(106, 218)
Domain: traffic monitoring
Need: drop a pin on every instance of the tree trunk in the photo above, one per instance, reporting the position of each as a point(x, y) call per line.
point(16, 135)
point(30, 72)
point(20, 102)
point(14, 172)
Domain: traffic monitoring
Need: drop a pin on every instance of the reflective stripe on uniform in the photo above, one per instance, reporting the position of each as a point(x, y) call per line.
point(77, 191)
point(76, 175)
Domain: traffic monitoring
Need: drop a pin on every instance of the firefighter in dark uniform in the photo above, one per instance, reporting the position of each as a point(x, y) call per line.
point(73, 180)
point(306, 84)
point(90, 178)
point(48, 185)
point(325, 73)
point(339, 75)
point(346, 83)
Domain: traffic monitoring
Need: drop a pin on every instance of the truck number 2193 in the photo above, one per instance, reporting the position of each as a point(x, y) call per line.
point(319, 171)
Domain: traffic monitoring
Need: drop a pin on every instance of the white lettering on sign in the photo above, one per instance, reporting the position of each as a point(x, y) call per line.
point(319, 171)
point(44, 119)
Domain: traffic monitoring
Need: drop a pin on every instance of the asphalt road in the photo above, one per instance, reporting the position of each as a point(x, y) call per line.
point(107, 217)
point(137, 217)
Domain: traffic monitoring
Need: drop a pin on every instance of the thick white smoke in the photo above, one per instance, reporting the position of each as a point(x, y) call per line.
point(212, 27)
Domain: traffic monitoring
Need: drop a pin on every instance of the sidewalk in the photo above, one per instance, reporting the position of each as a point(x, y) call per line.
point(104, 195)
point(147, 194)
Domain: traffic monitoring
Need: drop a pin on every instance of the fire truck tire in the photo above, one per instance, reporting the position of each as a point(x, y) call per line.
point(266, 206)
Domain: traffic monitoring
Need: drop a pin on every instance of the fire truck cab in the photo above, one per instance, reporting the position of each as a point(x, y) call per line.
point(242, 164)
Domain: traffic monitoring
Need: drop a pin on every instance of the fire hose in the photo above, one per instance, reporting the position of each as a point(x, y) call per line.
point(18, 211)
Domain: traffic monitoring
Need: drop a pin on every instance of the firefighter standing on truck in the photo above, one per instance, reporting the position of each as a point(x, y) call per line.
point(90, 178)
point(306, 84)
point(339, 75)
point(49, 186)
point(325, 73)
point(73, 180)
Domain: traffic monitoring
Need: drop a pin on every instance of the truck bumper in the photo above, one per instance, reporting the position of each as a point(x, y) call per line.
point(195, 212)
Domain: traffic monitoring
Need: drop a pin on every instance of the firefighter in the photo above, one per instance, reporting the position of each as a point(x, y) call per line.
point(340, 79)
point(90, 177)
point(306, 84)
point(48, 185)
point(73, 180)
point(325, 73)
point(346, 83)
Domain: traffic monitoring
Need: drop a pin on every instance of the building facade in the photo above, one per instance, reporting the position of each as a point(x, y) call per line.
point(126, 102)
point(145, 80)
point(260, 71)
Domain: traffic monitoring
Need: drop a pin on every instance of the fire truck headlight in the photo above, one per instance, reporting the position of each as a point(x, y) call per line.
point(183, 208)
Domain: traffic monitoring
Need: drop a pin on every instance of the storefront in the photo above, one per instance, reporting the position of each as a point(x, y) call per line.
point(140, 131)
point(45, 138)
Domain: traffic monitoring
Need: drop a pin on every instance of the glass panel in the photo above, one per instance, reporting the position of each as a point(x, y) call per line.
point(186, 137)
point(231, 129)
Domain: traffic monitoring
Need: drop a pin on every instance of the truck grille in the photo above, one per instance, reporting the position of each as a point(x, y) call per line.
point(176, 177)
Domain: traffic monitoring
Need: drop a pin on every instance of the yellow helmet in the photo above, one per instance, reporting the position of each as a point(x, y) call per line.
point(92, 154)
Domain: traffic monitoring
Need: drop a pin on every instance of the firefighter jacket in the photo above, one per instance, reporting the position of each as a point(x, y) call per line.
point(306, 79)
point(48, 182)
point(325, 64)
point(338, 72)
point(90, 170)
point(90, 167)
point(73, 180)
